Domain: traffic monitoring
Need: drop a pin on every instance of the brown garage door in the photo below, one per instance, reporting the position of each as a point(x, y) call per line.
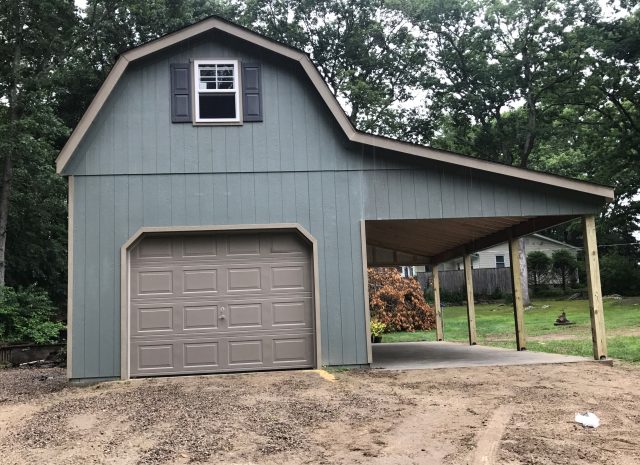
point(221, 302)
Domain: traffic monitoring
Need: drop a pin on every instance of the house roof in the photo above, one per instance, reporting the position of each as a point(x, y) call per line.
point(553, 241)
point(354, 135)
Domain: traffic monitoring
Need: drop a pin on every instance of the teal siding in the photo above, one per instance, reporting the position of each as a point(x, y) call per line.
point(134, 169)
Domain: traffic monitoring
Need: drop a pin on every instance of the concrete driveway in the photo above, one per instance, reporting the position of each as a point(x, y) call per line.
point(421, 355)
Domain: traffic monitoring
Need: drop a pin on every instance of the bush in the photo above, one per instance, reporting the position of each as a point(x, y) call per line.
point(619, 275)
point(564, 265)
point(539, 265)
point(398, 302)
point(27, 316)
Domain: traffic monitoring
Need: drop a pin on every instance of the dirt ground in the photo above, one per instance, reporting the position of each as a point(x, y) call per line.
point(498, 415)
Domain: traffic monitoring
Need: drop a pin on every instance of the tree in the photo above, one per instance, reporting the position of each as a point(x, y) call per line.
point(564, 265)
point(31, 49)
point(538, 264)
point(619, 275)
point(398, 302)
point(365, 51)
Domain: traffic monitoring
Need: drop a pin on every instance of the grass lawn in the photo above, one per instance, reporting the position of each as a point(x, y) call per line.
point(495, 326)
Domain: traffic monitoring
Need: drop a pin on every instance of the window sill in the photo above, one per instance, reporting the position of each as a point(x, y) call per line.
point(217, 123)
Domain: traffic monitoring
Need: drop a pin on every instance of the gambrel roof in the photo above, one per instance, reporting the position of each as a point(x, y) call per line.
point(354, 135)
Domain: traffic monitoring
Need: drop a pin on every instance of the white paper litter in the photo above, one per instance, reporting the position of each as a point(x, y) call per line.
point(588, 419)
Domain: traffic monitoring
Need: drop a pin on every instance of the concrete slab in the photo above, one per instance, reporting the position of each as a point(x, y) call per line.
point(421, 355)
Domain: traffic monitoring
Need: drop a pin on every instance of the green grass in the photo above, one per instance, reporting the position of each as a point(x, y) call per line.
point(495, 326)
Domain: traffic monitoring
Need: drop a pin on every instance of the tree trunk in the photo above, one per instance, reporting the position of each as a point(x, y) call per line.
point(524, 274)
point(7, 164)
point(5, 194)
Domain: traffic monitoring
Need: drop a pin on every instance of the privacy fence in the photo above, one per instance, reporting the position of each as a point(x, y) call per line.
point(485, 280)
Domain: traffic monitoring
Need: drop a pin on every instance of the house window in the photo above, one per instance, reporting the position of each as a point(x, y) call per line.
point(499, 261)
point(217, 98)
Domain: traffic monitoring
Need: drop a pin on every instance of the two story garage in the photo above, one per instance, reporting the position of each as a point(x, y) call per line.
point(223, 211)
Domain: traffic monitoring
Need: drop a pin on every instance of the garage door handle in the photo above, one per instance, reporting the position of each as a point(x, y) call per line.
point(222, 316)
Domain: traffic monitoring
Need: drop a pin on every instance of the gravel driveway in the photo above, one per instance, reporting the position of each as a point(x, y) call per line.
point(500, 415)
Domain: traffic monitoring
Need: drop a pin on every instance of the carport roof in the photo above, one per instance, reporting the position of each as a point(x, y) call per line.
point(433, 241)
point(354, 135)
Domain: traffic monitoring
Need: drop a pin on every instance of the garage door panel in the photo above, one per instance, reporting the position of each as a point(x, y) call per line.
point(245, 352)
point(293, 313)
point(243, 245)
point(159, 356)
point(287, 244)
point(200, 247)
point(154, 319)
point(203, 280)
point(244, 279)
point(149, 282)
point(245, 315)
point(290, 277)
point(154, 248)
point(292, 350)
point(201, 354)
point(200, 317)
point(221, 302)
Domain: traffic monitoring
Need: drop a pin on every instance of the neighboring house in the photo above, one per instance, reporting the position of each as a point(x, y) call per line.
point(223, 211)
point(498, 256)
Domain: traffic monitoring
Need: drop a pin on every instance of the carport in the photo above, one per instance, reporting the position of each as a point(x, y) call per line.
point(435, 241)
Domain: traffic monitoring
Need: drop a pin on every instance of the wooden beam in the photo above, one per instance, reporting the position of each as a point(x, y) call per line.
point(596, 308)
point(471, 309)
point(436, 303)
point(528, 226)
point(516, 286)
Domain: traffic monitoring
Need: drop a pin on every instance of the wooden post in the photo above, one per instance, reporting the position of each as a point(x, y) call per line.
point(436, 303)
point(471, 309)
point(516, 286)
point(592, 268)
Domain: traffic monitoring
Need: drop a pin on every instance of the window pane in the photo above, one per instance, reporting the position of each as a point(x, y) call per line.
point(215, 76)
point(214, 106)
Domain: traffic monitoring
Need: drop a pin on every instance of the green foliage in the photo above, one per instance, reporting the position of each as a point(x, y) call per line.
point(377, 328)
point(564, 265)
point(619, 275)
point(539, 265)
point(27, 316)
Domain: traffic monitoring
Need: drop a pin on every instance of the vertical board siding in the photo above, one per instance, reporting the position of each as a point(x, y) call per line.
point(135, 168)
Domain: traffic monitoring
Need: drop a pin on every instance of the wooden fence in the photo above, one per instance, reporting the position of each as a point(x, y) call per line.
point(485, 280)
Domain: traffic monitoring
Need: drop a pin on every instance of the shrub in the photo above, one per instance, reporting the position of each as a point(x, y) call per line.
point(27, 315)
point(539, 265)
point(564, 265)
point(377, 328)
point(620, 275)
point(398, 302)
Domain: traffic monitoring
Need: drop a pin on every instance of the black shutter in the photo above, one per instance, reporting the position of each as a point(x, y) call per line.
point(251, 92)
point(181, 93)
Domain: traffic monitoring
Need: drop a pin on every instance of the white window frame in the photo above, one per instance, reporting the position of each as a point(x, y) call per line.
point(504, 261)
point(197, 91)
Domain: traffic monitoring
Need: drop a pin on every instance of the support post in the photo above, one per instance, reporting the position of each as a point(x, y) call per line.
point(471, 309)
point(436, 303)
point(592, 267)
point(516, 287)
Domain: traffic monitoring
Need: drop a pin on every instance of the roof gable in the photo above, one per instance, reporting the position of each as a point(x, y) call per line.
point(215, 23)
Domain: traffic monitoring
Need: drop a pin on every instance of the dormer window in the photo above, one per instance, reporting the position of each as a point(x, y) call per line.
point(216, 85)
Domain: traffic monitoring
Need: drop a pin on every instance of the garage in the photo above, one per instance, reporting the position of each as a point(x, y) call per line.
point(220, 302)
point(201, 244)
